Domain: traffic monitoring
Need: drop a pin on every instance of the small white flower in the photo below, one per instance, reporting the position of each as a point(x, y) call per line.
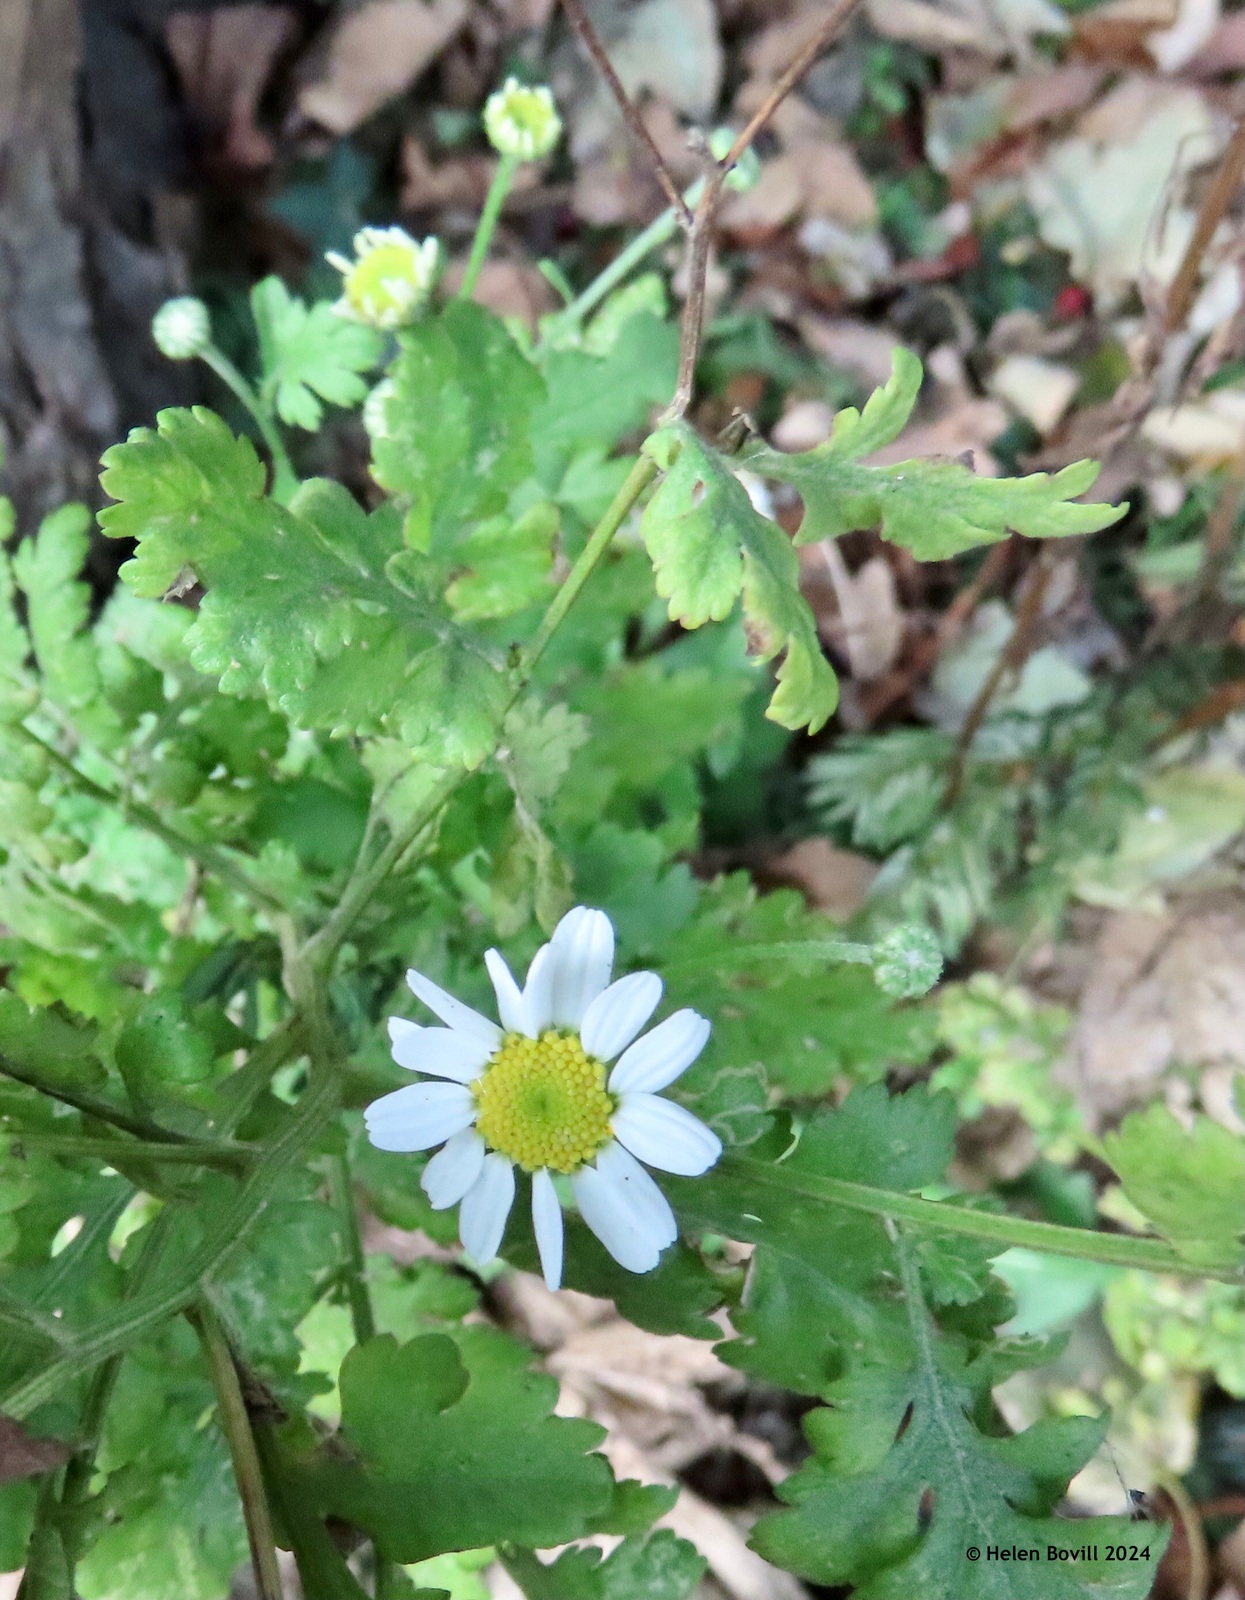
point(522, 122)
point(535, 1093)
point(390, 279)
point(182, 328)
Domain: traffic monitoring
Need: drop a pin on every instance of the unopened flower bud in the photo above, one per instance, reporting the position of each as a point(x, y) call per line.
point(388, 282)
point(182, 328)
point(521, 122)
point(907, 962)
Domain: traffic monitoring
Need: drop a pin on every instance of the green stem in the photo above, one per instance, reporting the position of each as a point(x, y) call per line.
point(744, 955)
point(91, 1105)
point(197, 1153)
point(118, 1328)
point(503, 182)
point(1111, 1249)
point(322, 1569)
point(341, 1187)
point(65, 1513)
point(366, 878)
point(284, 481)
point(660, 231)
point(634, 485)
point(236, 1425)
point(208, 856)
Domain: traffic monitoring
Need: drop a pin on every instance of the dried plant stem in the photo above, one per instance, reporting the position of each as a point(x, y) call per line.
point(1011, 658)
point(692, 325)
point(579, 19)
point(1218, 197)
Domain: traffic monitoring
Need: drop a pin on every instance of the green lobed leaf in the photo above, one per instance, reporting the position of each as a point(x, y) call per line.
point(906, 1480)
point(934, 508)
point(709, 545)
point(457, 1447)
point(315, 605)
point(661, 1567)
point(812, 1288)
point(309, 354)
point(455, 432)
point(593, 400)
point(1189, 1183)
point(509, 564)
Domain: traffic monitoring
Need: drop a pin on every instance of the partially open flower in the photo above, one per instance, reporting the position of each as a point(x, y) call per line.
point(538, 1093)
point(390, 279)
point(181, 328)
point(522, 122)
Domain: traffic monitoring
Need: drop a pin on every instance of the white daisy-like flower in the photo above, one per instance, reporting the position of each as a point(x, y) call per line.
point(390, 279)
point(539, 1093)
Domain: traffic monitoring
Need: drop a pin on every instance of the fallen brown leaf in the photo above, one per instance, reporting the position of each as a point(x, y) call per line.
point(375, 53)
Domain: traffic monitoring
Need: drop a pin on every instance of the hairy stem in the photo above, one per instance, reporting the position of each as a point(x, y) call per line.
point(503, 182)
point(194, 1153)
point(1111, 1249)
point(236, 1425)
point(91, 1105)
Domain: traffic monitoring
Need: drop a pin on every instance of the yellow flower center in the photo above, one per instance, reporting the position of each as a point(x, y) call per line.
point(385, 282)
point(543, 1102)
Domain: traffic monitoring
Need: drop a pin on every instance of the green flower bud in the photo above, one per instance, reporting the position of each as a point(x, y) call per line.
point(746, 172)
point(522, 122)
point(907, 962)
point(182, 328)
point(390, 279)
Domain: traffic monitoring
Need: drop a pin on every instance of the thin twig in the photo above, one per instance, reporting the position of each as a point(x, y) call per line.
point(692, 324)
point(1011, 658)
point(1219, 195)
point(582, 24)
point(787, 80)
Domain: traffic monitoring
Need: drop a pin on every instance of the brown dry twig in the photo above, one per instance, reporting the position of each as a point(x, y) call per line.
point(1011, 659)
point(699, 224)
point(587, 34)
point(706, 207)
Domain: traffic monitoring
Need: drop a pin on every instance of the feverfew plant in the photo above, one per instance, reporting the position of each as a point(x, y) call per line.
point(308, 745)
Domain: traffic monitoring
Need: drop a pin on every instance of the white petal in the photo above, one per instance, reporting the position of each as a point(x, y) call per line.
point(419, 1116)
point(656, 1060)
point(639, 1188)
point(547, 1224)
point(618, 1013)
point(583, 951)
point(538, 990)
point(665, 1135)
point(510, 1007)
point(440, 1052)
point(486, 1207)
point(453, 1169)
point(453, 1012)
point(625, 1209)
